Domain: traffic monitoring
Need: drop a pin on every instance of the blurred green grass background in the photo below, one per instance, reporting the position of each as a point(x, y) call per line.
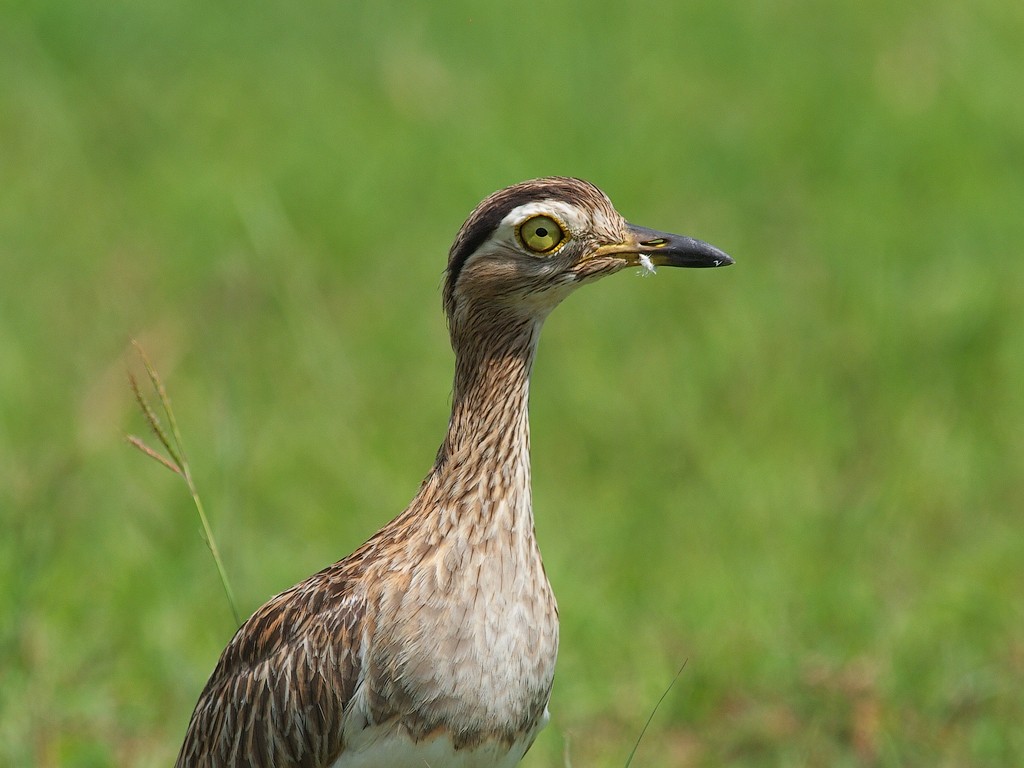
point(804, 475)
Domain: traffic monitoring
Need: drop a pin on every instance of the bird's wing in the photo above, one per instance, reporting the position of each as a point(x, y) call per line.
point(279, 692)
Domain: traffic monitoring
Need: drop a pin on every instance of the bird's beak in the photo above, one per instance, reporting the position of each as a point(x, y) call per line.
point(665, 249)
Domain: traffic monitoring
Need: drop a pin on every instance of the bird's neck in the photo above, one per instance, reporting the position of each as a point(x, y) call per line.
point(489, 426)
point(479, 486)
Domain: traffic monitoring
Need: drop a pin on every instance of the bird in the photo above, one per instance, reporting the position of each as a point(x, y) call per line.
point(434, 643)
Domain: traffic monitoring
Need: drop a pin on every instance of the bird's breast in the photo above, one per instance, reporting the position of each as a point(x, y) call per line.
point(466, 640)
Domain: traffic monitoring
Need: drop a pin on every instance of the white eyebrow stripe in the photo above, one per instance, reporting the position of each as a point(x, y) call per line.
point(568, 214)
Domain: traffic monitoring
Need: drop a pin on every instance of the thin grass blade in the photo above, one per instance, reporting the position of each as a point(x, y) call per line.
point(651, 716)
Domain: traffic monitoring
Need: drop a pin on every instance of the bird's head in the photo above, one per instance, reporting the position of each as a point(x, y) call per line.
point(526, 247)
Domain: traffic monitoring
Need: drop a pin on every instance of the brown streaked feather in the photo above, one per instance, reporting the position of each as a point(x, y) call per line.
point(279, 691)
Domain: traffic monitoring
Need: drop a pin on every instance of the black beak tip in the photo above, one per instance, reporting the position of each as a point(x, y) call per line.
point(680, 250)
point(723, 260)
point(689, 252)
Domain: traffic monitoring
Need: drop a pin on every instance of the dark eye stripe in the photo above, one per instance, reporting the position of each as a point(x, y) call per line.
point(482, 226)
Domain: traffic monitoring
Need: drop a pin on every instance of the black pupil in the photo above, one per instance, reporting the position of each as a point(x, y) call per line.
point(541, 232)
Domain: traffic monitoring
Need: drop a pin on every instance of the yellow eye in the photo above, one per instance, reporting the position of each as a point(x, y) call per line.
point(541, 234)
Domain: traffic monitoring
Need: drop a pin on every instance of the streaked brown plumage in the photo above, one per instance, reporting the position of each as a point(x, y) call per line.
point(434, 643)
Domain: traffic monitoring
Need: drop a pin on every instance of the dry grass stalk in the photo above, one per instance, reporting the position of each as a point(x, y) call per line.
point(175, 460)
